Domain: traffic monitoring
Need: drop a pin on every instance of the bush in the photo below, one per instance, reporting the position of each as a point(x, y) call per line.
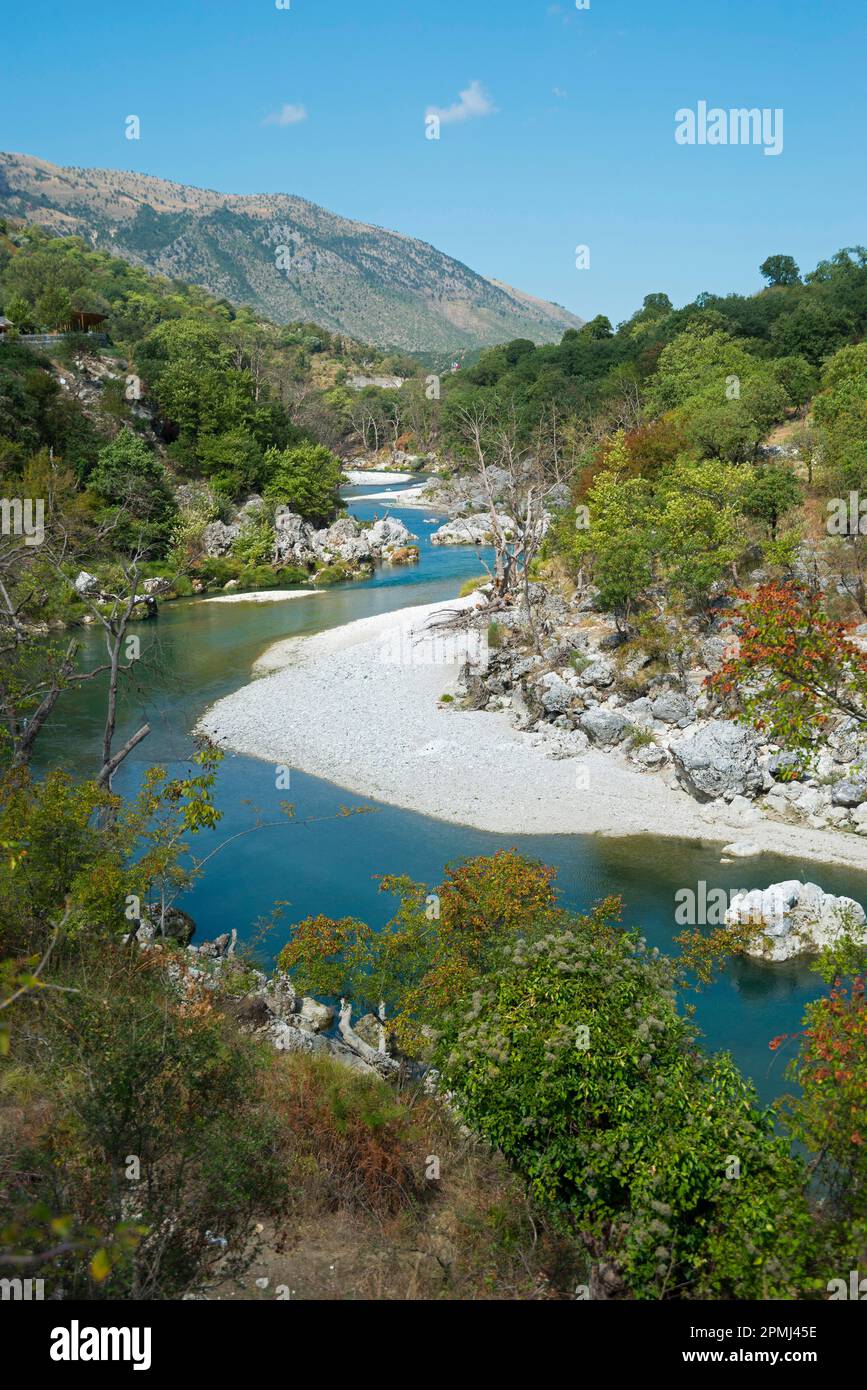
point(306, 479)
point(158, 1137)
point(574, 1061)
point(350, 1142)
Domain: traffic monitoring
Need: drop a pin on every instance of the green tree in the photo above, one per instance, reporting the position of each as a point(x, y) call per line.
point(619, 544)
point(574, 1061)
point(780, 270)
point(306, 479)
point(132, 481)
point(771, 491)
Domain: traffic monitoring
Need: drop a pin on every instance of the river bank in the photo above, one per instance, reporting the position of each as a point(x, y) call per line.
point(360, 705)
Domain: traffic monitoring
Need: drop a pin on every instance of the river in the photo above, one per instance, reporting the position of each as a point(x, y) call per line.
point(196, 652)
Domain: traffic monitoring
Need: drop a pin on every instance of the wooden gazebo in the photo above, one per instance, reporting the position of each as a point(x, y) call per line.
point(82, 321)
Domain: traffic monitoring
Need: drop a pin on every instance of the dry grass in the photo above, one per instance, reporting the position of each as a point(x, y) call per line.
point(367, 1222)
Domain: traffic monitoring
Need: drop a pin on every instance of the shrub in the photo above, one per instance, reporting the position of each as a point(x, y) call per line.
point(574, 1061)
point(306, 479)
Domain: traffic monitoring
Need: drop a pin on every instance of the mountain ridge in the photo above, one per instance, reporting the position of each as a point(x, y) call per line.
point(285, 255)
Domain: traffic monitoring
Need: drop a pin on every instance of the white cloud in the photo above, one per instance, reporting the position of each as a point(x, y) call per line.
point(474, 102)
point(287, 115)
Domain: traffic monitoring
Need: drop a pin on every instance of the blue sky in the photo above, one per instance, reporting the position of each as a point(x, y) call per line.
point(578, 149)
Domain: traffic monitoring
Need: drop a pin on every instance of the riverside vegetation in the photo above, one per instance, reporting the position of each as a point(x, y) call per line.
point(154, 1134)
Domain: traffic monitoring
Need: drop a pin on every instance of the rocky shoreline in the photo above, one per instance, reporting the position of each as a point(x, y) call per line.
point(268, 1005)
point(444, 710)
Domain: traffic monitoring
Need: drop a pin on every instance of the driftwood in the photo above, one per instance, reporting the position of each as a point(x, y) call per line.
point(377, 1058)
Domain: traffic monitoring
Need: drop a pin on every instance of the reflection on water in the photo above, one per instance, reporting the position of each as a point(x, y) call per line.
point(202, 651)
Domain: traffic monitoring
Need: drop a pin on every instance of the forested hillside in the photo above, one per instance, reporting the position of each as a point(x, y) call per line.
point(283, 255)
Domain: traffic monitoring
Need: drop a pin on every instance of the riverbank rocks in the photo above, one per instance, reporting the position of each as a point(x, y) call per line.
point(599, 673)
point(741, 849)
point(795, 919)
point(345, 542)
point(315, 1016)
point(719, 760)
point(672, 708)
point(472, 530)
point(604, 727)
point(218, 538)
point(557, 696)
point(851, 791)
point(158, 587)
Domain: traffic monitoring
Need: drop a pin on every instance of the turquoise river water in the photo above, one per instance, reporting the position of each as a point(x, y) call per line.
point(201, 651)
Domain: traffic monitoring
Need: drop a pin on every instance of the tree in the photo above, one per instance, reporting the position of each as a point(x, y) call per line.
point(828, 1113)
point(619, 544)
point(37, 582)
point(812, 330)
point(780, 270)
point(232, 461)
point(840, 410)
point(306, 479)
point(771, 491)
point(132, 481)
point(519, 481)
point(599, 328)
point(53, 309)
point(574, 1061)
point(795, 668)
point(431, 952)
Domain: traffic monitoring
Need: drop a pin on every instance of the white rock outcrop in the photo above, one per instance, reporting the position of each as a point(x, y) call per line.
point(472, 530)
point(796, 919)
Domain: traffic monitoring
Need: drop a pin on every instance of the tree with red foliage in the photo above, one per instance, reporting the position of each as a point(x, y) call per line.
point(795, 668)
point(830, 1115)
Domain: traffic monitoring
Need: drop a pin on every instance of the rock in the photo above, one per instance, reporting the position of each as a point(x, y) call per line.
point(252, 1011)
point(86, 584)
point(292, 538)
point(776, 803)
point(402, 555)
point(179, 926)
point(717, 649)
point(367, 1029)
point(557, 696)
point(635, 664)
point(604, 727)
point(159, 586)
point(559, 743)
point(720, 759)
point(231, 584)
point(388, 533)
point(599, 673)
point(809, 801)
point(639, 713)
point(315, 1016)
point(218, 538)
point(785, 766)
point(471, 530)
point(222, 945)
point(672, 708)
point(796, 919)
point(145, 608)
point(851, 791)
point(741, 849)
point(650, 756)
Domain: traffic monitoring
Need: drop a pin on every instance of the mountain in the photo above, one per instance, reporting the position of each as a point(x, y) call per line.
point(286, 257)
